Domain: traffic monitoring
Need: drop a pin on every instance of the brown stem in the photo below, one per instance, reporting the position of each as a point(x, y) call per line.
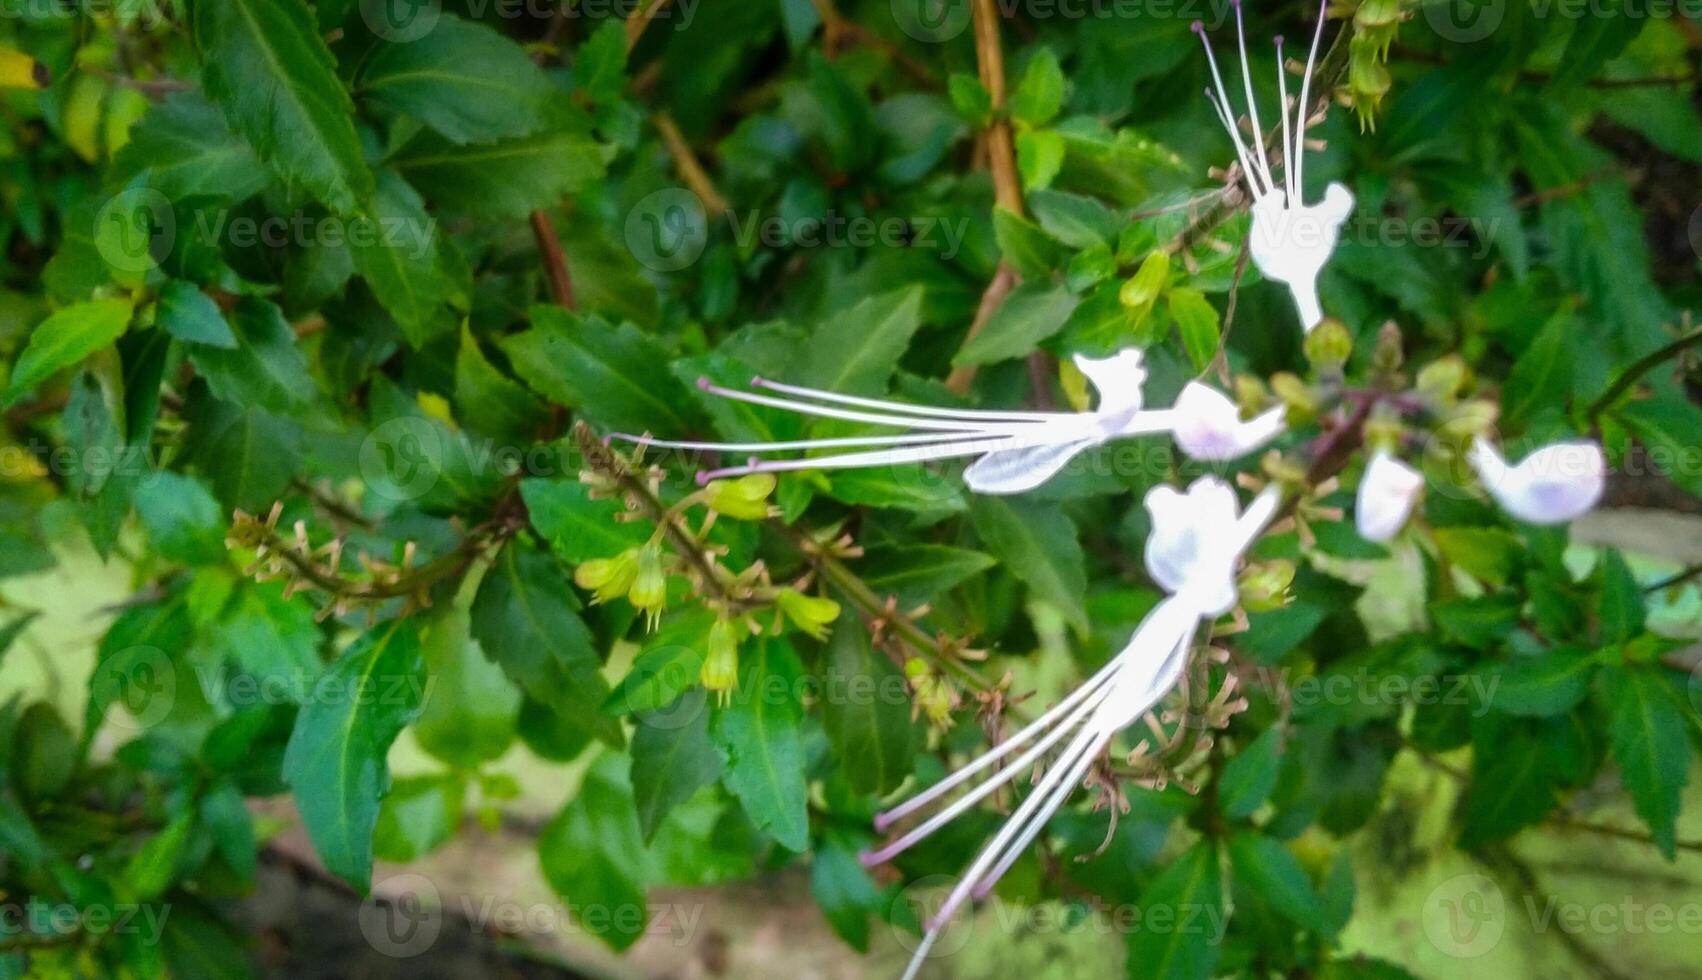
point(555, 260)
point(689, 168)
point(1001, 152)
point(640, 20)
point(1004, 280)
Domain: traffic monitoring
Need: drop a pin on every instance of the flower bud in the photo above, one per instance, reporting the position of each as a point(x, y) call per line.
point(1443, 379)
point(649, 592)
point(720, 671)
point(743, 499)
point(1251, 395)
point(1263, 586)
point(1389, 354)
point(933, 695)
point(1328, 346)
point(1301, 401)
point(1387, 493)
point(607, 578)
point(812, 614)
point(1142, 289)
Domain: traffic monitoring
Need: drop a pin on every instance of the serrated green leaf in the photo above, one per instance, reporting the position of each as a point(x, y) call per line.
point(190, 315)
point(919, 573)
point(1197, 323)
point(1191, 889)
point(1541, 686)
point(462, 79)
point(1671, 428)
point(578, 526)
point(667, 666)
point(856, 351)
point(64, 339)
point(759, 735)
point(1038, 544)
point(1274, 874)
point(399, 255)
point(1249, 777)
point(184, 148)
point(1039, 94)
point(473, 720)
point(614, 375)
point(505, 180)
point(1031, 313)
point(490, 401)
point(1030, 250)
point(1622, 612)
point(336, 759)
point(866, 711)
point(266, 370)
point(1648, 736)
point(672, 758)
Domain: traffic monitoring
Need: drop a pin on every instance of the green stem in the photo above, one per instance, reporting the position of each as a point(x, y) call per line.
point(1640, 367)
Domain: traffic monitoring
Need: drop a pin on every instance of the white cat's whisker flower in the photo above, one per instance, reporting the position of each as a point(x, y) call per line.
point(1018, 450)
point(1552, 485)
point(1197, 541)
point(1386, 497)
point(1290, 240)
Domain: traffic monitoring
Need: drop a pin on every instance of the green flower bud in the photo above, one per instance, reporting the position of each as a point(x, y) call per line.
point(1442, 380)
point(1251, 395)
point(812, 614)
point(720, 671)
point(1142, 288)
point(933, 695)
point(608, 578)
point(1389, 354)
point(743, 499)
point(1264, 585)
point(649, 592)
point(1328, 346)
point(1302, 402)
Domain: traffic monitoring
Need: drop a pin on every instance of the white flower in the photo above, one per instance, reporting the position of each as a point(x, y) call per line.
point(1387, 493)
point(1018, 450)
point(1290, 240)
point(1208, 426)
point(1197, 539)
point(1550, 486)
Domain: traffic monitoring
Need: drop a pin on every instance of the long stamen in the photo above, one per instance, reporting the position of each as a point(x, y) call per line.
point(1076, 769)
point(797, 444)
point(882, 457)
point(875, 418)
point(1288, 146)
point(922, 799)
point(986, 788)
point(1305, 103)
point(1226, 113)
point(1252, 103)
point(929, 411)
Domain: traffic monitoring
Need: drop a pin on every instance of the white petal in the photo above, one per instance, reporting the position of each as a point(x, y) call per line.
point(1019, 470)
point(1550, 486)
point(1194, 542)
point(1386, 497)
point(1208, 426)
point(1118, 379)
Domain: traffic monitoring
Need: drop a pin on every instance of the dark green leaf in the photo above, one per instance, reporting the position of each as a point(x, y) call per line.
point(462, 79)
point(1190, 891)
point(614, 375)
point(759, 735)
point(191, 315)
point(672, 758)
point(266, 370)
point(866, 711)
point(1038, 545)
point(1274, 874)
point(1249, 777)
point(1648, 734)
point(1031, 313)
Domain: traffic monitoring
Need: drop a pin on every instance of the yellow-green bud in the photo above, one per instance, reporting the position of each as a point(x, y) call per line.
point(933, 695)
point(1301, 401)
point(1328, 346)
point(1142, 289)
point(1264, 585)
point(1388, 356)
point(649, 592)
point(1443, 379)
point(812, 614)
point(720, 671)
point(1383, 430)
point(607, 578)
point(1251, 395)
point(743, 499)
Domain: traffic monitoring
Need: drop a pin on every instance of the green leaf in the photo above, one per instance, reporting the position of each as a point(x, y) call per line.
point(1031, 313)
point(1622, 612)
point(472, 719)
point(523, 619)
point(185, 149)
point(1031, 251)
point(1671, 428)
point(266, 64)
point(845, 893)
point(336, 759)
point(421, 813)
point(182, 519)
point(1648, 735)
point(64, 339)
point(488, 400)
point(266, 370)
point(1595, 40)
point(462, 79)
point(1478, 622)
point(230, 827)
point(969, 98)
point(1197, 322)
point(759, 735)
point(1039, 157)
point(1038, 544)
point(865, 710)
point(152, 868)
point(1040, 92)
point(599, 69)
point(1513, 784)
point(1542, 376)
point(1490, 554)
point(398, 252)
point(667, 666)
point(1272, 873)
point(578, 526)
point(247, 455)
point(1543, 685)
point(1249, 777)
point(920, 573)
point(856, 351)
point(191, 315)
point(1191, 889)
point(672, 758)
point(592, 854)
point(614, 375)
point(505, 180)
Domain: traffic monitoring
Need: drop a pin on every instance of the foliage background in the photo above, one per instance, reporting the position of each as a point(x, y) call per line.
point(373, 264)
